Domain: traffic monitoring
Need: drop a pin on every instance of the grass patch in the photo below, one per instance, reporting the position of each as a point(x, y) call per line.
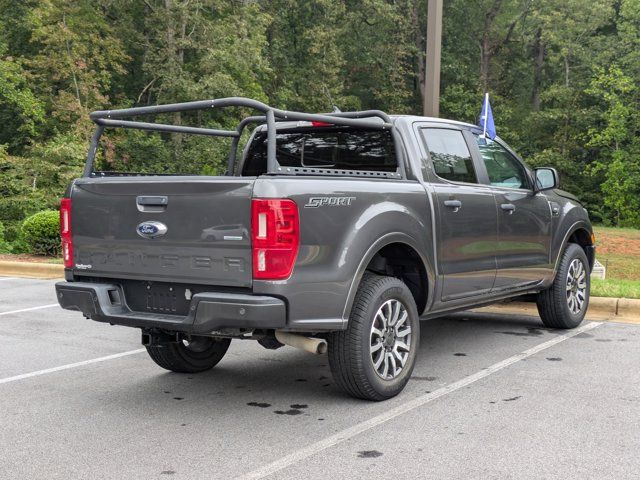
point(633, 233)
point(615, 288)
point(25, 257)
point(618, 249)
point(620, 266)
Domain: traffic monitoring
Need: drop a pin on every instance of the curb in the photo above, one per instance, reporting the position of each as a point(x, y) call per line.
point(624, 310)
point(628, 309)
point(31, 269)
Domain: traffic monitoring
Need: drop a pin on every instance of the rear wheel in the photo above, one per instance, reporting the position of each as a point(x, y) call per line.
point(565, 303)
point(190, 356)
point(374, 357)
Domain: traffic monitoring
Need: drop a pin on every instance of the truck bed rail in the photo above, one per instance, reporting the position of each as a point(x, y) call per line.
point(369, 119)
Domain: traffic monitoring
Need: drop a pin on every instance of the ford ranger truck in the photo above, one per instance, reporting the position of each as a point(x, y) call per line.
point(332, 233)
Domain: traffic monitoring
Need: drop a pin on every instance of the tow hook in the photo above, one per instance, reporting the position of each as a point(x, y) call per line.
point(154, 338)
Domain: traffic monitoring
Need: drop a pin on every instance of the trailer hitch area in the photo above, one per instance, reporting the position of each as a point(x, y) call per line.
point(157, 338)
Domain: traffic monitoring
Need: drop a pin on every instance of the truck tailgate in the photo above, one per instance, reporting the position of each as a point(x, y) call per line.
point(179, 229)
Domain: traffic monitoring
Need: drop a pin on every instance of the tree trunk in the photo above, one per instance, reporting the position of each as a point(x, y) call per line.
point(420, 48)
point(485, 61)
point(486, 46)
point(538, 50)
point(176, 53)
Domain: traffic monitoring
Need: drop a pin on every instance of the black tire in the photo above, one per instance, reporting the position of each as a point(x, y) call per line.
point(553, 303)
point(201, 354)
point(350, 357)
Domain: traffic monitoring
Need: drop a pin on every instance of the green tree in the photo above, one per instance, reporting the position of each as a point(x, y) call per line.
point(21, 112)
point(619, 147)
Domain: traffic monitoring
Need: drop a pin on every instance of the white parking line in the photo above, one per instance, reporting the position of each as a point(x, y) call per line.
point(361, 427)
point(70, 365)
point(51, 305)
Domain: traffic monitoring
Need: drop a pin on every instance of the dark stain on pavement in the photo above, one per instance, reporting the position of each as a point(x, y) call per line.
point(178, 398)
point(460, 354)
point(603, 339)
point(299, 406)
point(426, 379)
point(554, 359)
point(531, 332)
point(301, 379)
point(259, 404)
point(369, 454)
point(293, 411)
point(168, 472)
point(512, 399)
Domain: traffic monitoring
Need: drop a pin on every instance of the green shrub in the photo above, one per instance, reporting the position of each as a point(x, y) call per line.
point(4, 247)
point(12, 230)
point(41, 233)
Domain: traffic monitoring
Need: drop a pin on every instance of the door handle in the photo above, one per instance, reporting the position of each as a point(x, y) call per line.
point(508, 207)
point(455, 204)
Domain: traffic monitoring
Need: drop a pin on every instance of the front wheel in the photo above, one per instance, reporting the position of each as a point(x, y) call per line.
point(190, 356)
point(374, 357)
point(565, 303)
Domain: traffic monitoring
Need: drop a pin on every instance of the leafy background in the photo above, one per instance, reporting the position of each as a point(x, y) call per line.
point(564, 78)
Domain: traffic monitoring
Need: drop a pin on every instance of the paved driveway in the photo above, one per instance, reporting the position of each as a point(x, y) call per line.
point(493, 396)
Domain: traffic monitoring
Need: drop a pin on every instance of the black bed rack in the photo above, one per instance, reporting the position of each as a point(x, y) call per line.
point(369, 119)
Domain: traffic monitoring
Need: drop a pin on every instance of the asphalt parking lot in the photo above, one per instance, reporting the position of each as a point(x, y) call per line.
point(492, 396)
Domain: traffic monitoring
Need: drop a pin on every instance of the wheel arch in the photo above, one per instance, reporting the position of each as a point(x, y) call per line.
point(579, 233)
point(385, 257)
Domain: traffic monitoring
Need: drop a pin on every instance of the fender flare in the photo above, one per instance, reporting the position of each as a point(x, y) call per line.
point(580, 224)
point(383, 241)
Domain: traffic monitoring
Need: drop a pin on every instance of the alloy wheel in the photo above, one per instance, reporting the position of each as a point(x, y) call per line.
point(390, 339)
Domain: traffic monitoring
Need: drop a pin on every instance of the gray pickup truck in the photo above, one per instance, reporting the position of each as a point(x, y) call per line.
point(330, 232)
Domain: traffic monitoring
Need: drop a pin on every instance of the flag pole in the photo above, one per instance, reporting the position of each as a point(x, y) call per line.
point(486, 114)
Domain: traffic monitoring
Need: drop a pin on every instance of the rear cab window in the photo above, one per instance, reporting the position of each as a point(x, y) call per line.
point(449, 154)
point(339, 148)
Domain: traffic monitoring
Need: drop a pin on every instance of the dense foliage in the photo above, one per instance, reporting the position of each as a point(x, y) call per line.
point(41, 232)
point(564, 78)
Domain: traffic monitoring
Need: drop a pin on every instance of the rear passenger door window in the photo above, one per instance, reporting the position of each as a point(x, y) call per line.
point(450, 155)
point(504, 169)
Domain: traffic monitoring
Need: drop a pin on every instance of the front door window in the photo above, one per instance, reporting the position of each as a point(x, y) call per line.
point(504, 169)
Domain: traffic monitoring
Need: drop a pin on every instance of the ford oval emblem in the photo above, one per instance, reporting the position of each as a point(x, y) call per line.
point(151, 229)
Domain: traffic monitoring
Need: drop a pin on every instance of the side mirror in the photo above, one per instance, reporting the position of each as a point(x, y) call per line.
point(546, 178)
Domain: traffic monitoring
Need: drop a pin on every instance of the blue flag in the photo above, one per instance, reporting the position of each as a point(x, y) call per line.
point(486, 120)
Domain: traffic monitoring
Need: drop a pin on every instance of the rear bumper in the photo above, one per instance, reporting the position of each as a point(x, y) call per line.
point(208, 311)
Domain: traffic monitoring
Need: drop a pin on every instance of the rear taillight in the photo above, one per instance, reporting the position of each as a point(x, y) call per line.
point(65, 232)
point(275, 235)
